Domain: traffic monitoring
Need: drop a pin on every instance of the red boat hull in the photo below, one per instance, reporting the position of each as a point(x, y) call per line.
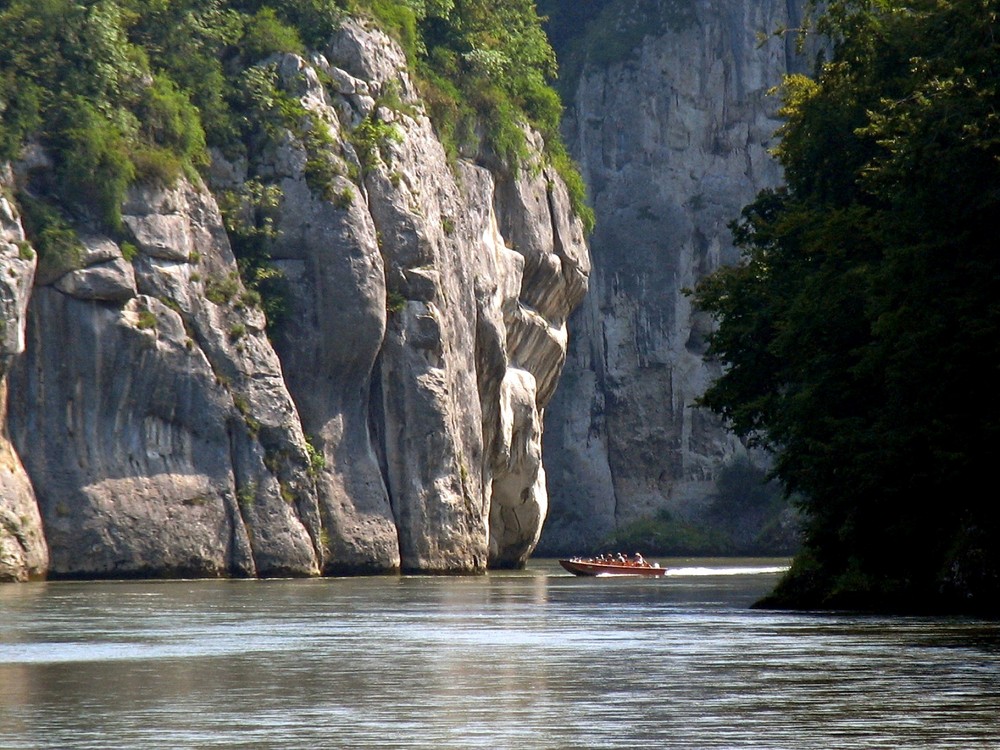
point(583, 568)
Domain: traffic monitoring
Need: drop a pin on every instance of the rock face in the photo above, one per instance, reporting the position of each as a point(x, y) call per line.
point(392, 421)
point(23, 552)
point(153, 422)
point(672, 142)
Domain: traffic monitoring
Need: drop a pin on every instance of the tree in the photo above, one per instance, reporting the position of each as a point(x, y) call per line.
point(861, 337)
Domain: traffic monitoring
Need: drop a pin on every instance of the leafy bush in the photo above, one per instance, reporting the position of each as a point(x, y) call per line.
point(59, 248)
point(171, 125)
point(125, 89)
point(575, 186)
point(92, 158)
point(372, 139)
point(249, 216)
point(401, 21)
point(147, 320)
point(222, 291)
point(320, 173)
point(266, 35)
point(858, 339)
point(317, 462)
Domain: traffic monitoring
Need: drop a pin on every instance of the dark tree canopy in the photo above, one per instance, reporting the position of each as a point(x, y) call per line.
point(861, 336)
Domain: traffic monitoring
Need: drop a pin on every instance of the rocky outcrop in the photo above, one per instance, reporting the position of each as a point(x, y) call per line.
point(436, 426)
point(153, 420)
point(391, 420)
point(673, 142)
point(23, 552)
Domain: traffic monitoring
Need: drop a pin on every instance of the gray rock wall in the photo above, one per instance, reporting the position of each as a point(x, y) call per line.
point(153, 422)
point(672, 142)
point(23, 552)
point(392, 421)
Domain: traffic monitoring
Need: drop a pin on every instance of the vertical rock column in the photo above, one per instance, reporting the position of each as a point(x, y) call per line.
point(534, 212)
point(429, 413)
point(335, 322)
point(23, 551)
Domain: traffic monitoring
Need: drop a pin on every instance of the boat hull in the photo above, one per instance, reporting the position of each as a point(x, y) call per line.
point(583, 568)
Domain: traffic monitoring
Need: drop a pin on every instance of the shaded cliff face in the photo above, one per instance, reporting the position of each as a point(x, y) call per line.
point(673, 143)
point(392, 421)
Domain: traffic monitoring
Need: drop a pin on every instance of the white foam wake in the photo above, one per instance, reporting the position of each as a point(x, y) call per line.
point(743, 571)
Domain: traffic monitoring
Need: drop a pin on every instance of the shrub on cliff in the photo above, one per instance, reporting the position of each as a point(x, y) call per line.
point(119, 89)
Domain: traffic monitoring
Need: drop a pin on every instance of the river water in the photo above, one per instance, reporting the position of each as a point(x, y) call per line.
point(526, 659)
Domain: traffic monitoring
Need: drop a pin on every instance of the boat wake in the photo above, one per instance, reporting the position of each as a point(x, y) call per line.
point(696, 572)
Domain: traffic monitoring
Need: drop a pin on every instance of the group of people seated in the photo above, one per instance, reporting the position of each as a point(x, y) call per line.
point(618, 558)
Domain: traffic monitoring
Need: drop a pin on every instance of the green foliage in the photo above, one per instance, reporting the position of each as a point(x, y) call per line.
point(120, 90)
point(400, 19)
point(861, 337)
point(483, 70)
point(222, 291)
point(575, 186)
point(344, 199)
point(372, 139)
point(493, 60)
point(192, 42)
point(664, 535)
point(266, 35)
point(394, 302)
point(73, 79)
point(320, 173)
point(59, 248)
point(317, 462)
point(246, 495)
point(147, 320)
point(92, 158)
point(19, 113)
point(171, 133)
point(249, 217)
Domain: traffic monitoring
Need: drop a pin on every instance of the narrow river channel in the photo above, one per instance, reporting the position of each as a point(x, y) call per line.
point(522, 660)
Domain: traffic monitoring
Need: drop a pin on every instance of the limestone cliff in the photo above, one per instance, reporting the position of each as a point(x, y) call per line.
point(23, 553)
point(393, 419)
point(673, 141)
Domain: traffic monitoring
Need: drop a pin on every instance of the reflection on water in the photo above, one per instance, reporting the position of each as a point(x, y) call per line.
point(527, 659)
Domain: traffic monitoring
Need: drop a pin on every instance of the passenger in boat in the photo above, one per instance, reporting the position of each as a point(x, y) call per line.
point(639, 560)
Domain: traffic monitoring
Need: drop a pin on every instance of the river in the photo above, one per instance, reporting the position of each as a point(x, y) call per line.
point(523, 659)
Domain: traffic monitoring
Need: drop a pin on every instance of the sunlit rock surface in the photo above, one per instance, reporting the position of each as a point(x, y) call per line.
point(23, 552)
point(391, 420)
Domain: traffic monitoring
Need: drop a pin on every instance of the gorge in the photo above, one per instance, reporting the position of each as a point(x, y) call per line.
point(156, 425)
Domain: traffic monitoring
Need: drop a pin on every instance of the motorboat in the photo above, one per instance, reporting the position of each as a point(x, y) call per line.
point(580, 567)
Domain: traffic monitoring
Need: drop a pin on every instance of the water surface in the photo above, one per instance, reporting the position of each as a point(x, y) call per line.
point(526, 659)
